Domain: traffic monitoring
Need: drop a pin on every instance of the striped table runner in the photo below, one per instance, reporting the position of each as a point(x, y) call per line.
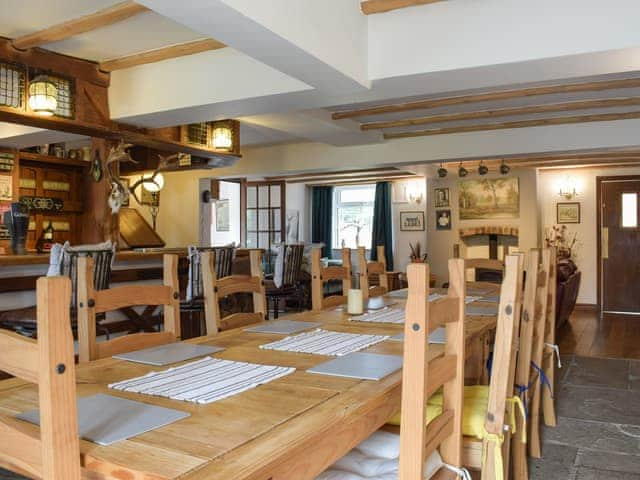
point(324, 342)
point(204, 381)
point(387, 315)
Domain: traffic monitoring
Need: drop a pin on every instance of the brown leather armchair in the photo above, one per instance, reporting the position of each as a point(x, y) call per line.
point(567, 293)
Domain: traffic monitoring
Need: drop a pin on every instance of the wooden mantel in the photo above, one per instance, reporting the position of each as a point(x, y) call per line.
point(489, 230)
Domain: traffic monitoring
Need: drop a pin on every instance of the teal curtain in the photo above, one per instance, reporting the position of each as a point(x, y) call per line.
point(322, 208)
point(382, 221)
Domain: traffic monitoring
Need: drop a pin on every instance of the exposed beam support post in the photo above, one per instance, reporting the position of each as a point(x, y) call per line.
point(102, 18)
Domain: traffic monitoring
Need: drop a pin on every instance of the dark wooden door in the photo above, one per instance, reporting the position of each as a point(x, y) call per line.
point(620, 245)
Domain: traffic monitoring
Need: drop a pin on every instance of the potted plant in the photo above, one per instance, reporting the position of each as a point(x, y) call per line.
point(416, 255)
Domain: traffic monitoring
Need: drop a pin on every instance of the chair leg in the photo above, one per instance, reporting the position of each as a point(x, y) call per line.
point(534, 422)
point(276, 303)
point(548, 403)
point(519, 458)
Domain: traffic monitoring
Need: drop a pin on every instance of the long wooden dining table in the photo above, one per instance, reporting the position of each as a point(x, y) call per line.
point(292, 428)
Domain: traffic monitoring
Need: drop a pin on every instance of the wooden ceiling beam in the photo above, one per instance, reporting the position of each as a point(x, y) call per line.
point(343, 173)
point(489, 96)
point(337, 178)
point(102, 18)
point(505, 112)
point(369, 7)
point(160, 54)
point(519, 124)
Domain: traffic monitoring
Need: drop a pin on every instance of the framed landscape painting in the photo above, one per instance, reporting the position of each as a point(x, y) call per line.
point(568, 212)
point(489, 198)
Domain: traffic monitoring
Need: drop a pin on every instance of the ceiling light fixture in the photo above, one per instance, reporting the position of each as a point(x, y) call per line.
point(462, 172)
point(442, 172)
point(482, 168)
point(504, 168)
point(222, 136)
point(43, 96)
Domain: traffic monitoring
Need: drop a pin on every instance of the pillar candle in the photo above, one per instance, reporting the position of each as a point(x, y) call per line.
point(354, 302)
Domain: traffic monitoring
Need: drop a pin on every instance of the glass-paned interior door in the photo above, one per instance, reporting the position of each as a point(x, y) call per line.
point(265, 221)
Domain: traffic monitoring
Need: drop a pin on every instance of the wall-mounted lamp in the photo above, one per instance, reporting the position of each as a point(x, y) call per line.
point(222, 135)
point(482, 168)
point(415, 192)
point(504, 168)
point(567, 189)
point(153, 183)
point(462, 172)
point(43, 96)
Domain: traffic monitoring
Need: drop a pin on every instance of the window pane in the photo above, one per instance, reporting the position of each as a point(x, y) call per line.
point(275, 195)
point(252, 240)
point(263, 219)
point(263, 240)
point(252, 195)
point(252, 220)
point(629, 210)
point(263, 196)
point(354, 226)
point(358, 195)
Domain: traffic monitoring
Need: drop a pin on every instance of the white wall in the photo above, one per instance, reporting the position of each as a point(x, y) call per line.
point(586, 249)
point(401, 240)
point(228, 191)
point(440, 246)
point(297, 197)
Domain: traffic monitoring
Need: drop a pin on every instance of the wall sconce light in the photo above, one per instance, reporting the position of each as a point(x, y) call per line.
point(222, 136)
point(462, 172)
point(442, 172)
point(567, 189)
point(415, 192)
point(482, 168)
point(43, 96)
point(153, 183)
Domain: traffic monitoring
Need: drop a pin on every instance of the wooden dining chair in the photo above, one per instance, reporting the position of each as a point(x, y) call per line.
point(423, 376)
point(551, 348)
point(51, 451)
point(371, 268)
point(288, 267)
point(320, 276)
point(215, 289)
point(92, 302)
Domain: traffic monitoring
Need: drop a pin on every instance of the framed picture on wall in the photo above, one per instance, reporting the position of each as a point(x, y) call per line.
point(411, 221)
point(568, 212)
point(443, 220)
point(441, 197)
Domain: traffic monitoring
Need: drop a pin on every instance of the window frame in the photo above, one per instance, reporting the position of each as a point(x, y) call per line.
point(337, 204)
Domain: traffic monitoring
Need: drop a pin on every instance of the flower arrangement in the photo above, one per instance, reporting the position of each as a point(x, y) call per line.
point(416, 255)
point(558, 237)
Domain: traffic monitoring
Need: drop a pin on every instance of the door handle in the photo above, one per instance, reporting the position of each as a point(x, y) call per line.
point(605, 242)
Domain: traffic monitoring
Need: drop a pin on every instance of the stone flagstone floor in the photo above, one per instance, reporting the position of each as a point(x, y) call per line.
point(598, 432)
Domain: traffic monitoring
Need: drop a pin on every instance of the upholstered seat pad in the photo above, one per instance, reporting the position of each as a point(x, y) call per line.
point(476, 400)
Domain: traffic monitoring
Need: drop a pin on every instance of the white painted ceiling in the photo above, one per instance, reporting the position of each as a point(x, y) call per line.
point(291, 63)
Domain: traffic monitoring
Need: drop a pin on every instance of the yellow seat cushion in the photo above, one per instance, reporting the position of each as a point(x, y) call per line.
point(476, 399)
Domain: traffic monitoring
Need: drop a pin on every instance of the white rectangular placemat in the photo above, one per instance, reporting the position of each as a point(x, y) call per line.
point(105, 419)
point(438, 336)
point(324, 342)
point(168, 354)
point(284, 327)
point(387, 315)
point(362, 365)
point(204, 381)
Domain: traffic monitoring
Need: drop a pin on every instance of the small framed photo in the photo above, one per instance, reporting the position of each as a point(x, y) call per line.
point(443, 220)
point(568, 212)
point(411, 221)
point(441, 197)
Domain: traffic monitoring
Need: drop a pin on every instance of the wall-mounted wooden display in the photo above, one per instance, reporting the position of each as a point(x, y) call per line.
point(56, 183)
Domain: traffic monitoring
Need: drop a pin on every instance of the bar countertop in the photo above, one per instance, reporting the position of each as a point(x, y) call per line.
point(125, 255)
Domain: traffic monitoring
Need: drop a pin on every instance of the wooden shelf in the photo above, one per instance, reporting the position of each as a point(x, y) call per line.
point(50, 159)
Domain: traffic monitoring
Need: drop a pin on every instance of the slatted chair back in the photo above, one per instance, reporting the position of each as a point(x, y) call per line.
point(223, 263)
point(216, 289)
point(52, 451)
point(102, 262)
point(422, 375)
point(370, 268)
point(475, 264)
point(92, 302)
point(292, 264)
point(321, 275)
point(548, 364)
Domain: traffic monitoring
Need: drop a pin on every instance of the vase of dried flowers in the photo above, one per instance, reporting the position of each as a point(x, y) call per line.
point(416, 255)
point(558, 237)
